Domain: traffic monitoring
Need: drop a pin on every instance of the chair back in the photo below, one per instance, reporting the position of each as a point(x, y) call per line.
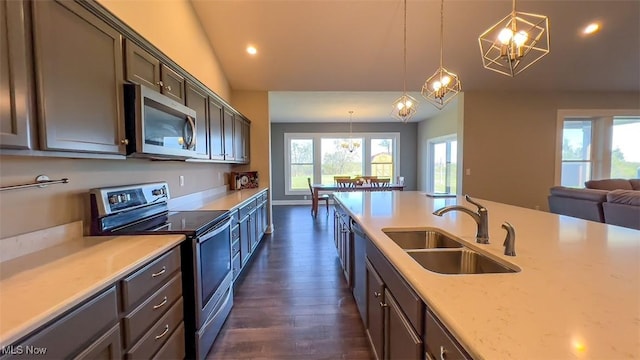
point(340, 177)
point(367, 179)
point(341, 182)
point(310, 187)
point(380, 182)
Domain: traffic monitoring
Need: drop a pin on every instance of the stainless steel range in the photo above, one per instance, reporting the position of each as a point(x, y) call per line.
point(206, 255)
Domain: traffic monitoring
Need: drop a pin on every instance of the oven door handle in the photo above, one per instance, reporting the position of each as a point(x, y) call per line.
point(215, 231)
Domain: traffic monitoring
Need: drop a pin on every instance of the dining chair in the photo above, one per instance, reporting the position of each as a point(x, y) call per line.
point(338, 177)
point(367, 178)
point(346, 182)
point(380, 182)
point(325, 197)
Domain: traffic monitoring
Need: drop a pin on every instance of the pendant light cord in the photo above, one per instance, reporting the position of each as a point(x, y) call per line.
point(442, 31)
point(404, 74)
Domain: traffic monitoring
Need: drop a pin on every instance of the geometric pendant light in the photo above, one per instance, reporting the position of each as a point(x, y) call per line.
point(405, 106)
point(443, 85)
point(514, 43)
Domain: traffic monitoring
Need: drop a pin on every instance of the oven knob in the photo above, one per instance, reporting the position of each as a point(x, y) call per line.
point(113, 199)
point(123, 197)
point(127, 197)
point(157, 192)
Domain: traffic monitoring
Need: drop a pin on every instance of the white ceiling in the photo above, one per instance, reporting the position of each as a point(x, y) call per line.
point(321, 58)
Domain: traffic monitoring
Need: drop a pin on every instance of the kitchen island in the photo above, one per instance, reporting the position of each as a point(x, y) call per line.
point(577, 294)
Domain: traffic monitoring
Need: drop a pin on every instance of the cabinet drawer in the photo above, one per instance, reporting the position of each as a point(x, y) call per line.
point(139, 284)
point(140, 319)
point(73, 332)
point(438, 342)
point(234, 217)
point(158, 334)
point(408, 300)
point(236, 266)
point(263, 197)
point(174, 347)
point(247, 208)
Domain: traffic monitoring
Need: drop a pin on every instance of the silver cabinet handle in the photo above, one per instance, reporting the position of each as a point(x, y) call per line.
point(124, 141)
point(164, 301)
point(168, 87)
point(443, 353)
point(376, 294)
point(383, 305)
point(159, 83)
point(164, 270)
point(166, 330)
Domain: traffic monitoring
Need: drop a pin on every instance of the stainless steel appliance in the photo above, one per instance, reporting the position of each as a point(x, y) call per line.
point(157, 126)
point(206, 254)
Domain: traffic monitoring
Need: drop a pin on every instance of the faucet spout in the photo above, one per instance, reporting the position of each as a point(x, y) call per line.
point(481, 218)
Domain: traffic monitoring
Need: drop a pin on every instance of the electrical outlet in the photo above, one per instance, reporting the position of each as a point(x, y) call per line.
point(468, 172)
point(181, 180)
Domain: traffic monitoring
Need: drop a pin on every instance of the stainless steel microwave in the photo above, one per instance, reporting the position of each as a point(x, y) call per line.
point(157, 126)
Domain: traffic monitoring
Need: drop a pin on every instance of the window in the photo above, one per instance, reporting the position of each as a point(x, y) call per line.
point(597, 145)
point(443, 167)
point(301, 151)
point(323, 156)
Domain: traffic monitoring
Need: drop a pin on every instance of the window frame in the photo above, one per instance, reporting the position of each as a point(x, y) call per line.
point(601, 138)
point(431, 164)
point(317, 153)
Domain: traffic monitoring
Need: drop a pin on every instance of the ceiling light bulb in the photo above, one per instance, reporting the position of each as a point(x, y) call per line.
point(591, 28)
point(436, 85)
point(520, 38)
point(400, 105)
point(505, 36)
point(252, 50)
point(445, 80)
point(408, 103)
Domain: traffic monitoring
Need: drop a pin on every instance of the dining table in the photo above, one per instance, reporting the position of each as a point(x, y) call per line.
point(317, 188)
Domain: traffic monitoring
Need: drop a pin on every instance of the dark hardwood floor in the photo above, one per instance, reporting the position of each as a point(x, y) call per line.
point(292, 302)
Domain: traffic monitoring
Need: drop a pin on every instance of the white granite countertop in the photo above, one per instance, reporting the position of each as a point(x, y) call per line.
point(577, 294)
point(226, 201)
point(38, 287)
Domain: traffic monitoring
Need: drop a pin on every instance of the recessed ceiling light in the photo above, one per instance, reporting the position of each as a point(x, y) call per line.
point(252, 50)
point(591, 28)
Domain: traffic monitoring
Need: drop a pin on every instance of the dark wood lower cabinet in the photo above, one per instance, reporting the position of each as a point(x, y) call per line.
point(402, 340)
point(108, 346)
point(375, 311)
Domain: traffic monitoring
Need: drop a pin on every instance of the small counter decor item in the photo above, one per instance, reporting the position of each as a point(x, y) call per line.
point(243, 180)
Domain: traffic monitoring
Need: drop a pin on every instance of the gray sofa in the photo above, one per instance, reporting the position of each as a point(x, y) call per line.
point(611, 201)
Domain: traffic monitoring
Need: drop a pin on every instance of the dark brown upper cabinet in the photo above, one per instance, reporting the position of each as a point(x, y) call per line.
point(216, 133)
point(241, 139)
point(228, 119)
point(198, 100)
point(145, 69)
point(15, 113)
point(79, 79)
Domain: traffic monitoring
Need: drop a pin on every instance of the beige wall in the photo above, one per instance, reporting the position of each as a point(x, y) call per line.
point(173, 27)
point(181, 38)
point(255, 105)
point(448, 121)
point(510, 137)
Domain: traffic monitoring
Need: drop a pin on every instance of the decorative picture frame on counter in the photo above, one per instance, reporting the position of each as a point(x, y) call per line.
point(243, 180)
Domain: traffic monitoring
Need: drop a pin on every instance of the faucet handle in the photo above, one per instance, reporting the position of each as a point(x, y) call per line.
point(469, 199)
point(510, 240)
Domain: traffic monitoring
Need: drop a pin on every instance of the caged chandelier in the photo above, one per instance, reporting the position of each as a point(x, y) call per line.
point(443, 85)
point(405, 106)
point(350, 145)
point(514, 43)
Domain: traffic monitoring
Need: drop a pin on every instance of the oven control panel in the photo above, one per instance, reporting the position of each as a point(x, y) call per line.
point(120, 198)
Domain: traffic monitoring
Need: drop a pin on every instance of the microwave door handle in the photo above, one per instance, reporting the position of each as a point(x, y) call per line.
point(192, 124)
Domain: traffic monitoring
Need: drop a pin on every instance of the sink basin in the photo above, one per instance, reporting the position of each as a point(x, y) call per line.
point(421, 239)
point(458, 261)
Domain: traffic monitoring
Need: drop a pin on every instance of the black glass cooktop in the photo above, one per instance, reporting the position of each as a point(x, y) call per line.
point(180, 222)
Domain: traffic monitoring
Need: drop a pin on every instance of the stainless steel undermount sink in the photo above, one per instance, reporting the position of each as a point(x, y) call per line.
point(459, 261)
point(421, 238)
